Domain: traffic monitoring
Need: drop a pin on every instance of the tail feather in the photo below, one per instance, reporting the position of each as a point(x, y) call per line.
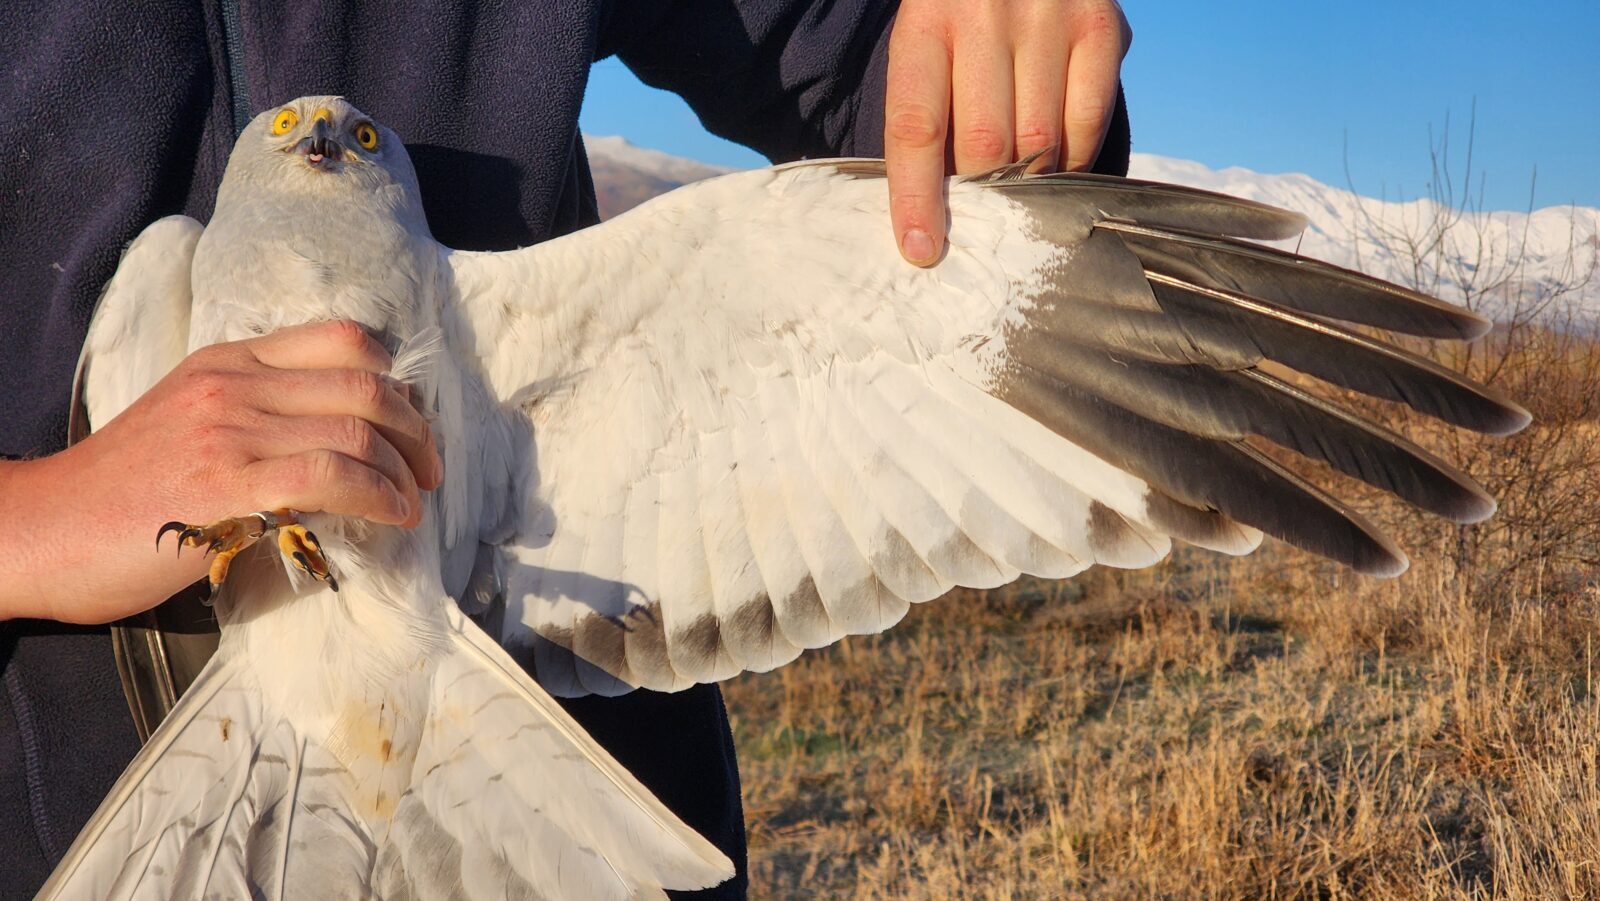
point(208, 809)
point(501, 794)
point(576, 786)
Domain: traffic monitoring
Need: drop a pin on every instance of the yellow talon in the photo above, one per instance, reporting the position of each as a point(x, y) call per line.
point(300, 544)
point(227, 537)
point(219, 567)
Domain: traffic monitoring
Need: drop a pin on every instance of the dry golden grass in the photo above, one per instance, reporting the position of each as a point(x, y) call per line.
point(1265, 727)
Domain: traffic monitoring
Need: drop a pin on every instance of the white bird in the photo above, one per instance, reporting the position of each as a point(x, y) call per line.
point(727, 426)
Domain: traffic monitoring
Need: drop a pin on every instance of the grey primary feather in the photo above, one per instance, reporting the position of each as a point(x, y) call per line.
point(1228, 476)
point(1296, 282)
point(1230, 405)
point(1346, 358)
point(1154, 204)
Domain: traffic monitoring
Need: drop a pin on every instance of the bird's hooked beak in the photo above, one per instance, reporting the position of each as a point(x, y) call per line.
point(320, 148)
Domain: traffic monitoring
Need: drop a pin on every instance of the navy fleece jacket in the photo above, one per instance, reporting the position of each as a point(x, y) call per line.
point(116, 114)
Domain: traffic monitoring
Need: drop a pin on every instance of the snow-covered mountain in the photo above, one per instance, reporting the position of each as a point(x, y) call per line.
point(1551, 249)
point(626, 175)
point(660, 165)
point(1446, 252)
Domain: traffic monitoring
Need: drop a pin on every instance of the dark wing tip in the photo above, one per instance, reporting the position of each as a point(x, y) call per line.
point(1479, 507)
point(1391, 563)
point(1513, 419)
point(1473, 325)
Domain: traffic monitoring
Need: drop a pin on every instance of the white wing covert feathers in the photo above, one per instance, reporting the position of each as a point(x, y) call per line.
point(755, 430)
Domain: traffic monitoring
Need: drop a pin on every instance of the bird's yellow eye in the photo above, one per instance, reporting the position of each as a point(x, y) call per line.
point(285, 120)
point(367, 136)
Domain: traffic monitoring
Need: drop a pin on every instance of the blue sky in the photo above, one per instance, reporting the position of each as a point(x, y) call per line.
point(1286, 86)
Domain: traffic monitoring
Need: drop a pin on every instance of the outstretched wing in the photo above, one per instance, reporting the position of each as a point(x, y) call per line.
point(140, 328)
point(741, 426)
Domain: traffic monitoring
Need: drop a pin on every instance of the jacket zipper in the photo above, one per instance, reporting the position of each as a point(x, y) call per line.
point(233, 50)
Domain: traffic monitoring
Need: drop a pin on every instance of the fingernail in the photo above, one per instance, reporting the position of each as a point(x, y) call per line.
point(917, 246)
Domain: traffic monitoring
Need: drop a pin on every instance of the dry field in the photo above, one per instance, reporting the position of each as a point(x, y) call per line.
point(1255, 728)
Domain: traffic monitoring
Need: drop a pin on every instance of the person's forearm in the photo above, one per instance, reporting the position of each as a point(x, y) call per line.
point(77, 544)
point(19, 594)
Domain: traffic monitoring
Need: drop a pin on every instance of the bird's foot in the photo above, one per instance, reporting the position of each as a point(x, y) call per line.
point(227, 537)
point(299, 544)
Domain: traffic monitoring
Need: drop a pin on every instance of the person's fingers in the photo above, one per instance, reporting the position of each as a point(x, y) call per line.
point(328, 482)
point(362, 394)
point(351, 436)
point(916, 123)
point(337, 344)
point(1041, 76)
point(982, 108)
point(1093, 66)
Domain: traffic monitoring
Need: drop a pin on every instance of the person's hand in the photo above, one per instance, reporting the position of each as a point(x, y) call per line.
point(302, 418)
point(992, 82)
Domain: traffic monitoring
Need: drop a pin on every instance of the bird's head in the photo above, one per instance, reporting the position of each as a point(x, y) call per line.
point(322, 144)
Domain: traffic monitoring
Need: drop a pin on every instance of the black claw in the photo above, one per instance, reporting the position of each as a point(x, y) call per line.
point(185, 535)
point(301, 561)
point(312, 537)
point(173, 526)
point(333, 583)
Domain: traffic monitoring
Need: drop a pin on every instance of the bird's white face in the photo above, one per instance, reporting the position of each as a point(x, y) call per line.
point(325, 133)
point(323, 143)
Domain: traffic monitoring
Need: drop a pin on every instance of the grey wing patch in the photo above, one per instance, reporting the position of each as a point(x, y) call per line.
point(1200, 472)
point(1118, 542)
point(1283, 278)
point(1153, 204)
point(803, 617)
point(696, 645)
point(612, 656)
point(1205, 528)
point(1145, 349)
point(902, 571)
point(600, 644)
point(753, 624)
point(646, 642)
